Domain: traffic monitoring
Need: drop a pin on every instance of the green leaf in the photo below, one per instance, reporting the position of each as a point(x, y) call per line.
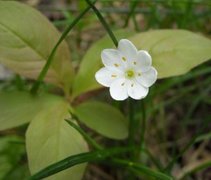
point(103, 118)
point(91, 63)
point(94, 156)
point(17, 108)
point(50, 139)
point(174, 52)
point(26, 40)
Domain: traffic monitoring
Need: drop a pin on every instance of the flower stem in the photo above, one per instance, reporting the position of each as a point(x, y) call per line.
point(132, 123)
point(133, 129)
point(143, 124)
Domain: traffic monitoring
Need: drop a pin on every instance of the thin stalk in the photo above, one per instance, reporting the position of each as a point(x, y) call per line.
point(132, 11)
point(132, 124)
point(89, 140)
point(155, 161)
point(141, 169)
point(135, 23)
point(44, 71)
point(103, 21)
point(195, 103)
point(203, 165)
point(175, 158)
point(143, 124)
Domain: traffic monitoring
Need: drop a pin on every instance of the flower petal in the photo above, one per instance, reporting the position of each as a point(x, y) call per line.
point(118, 89)
point(147, 78)
point(137, 91)
point(127, 49)
point(112, 58)
point(144, 61)
point(105, 76)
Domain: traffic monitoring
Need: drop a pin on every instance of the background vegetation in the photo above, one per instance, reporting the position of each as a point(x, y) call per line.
point(177, 109)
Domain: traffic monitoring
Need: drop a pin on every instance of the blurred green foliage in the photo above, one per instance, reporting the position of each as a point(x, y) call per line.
point(12, 158)
point(177, 108)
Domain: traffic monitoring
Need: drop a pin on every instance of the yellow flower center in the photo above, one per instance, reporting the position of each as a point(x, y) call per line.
point(130, 73)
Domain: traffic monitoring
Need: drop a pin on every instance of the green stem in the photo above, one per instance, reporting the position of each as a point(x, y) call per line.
point(104, 23)
point(132, 10)
point(155, 161)
point(89, 140)
point(44, 71)
point(132, 123)
point(143, 125)
point(135, 22)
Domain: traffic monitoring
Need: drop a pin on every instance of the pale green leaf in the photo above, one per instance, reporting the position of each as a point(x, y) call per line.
point(103, 118)
point(174, 52)
point(26, 40)
point(17, 108)
point(50, 138)
point(85, 80)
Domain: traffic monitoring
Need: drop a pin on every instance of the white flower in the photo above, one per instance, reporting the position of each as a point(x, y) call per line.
point(127, 71)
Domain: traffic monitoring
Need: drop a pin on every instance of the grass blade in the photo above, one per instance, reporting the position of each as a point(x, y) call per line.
point(44, 71)
point(68, 162)
point(142, 169)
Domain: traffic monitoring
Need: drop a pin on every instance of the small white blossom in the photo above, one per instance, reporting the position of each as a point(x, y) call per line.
point(127, 71)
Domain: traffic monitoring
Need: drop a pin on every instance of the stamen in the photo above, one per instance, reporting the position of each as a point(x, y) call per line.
point(123, 58)
point(132, 85)
point(130, 74)
point(117, 65)
point(139, 74)
point(113, 75)
point(122, 84)
point(134, 62)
